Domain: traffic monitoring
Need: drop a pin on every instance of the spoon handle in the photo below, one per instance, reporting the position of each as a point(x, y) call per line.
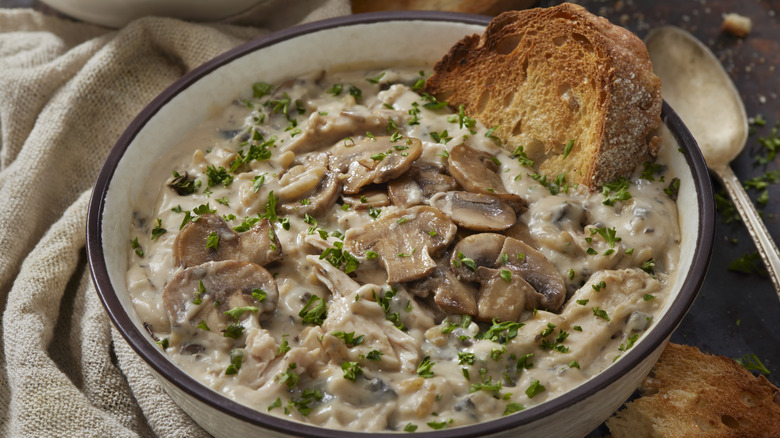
point(755, 226)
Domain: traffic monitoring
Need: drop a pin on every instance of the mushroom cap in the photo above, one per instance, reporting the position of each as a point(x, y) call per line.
point(227, 284)
point(259, 245)
point(476, 172)
point(475, 211)
point(423, 180)
point(404, 241)
point(501, 299)
point(530, 281)
point(373, 160)
point(538, 272)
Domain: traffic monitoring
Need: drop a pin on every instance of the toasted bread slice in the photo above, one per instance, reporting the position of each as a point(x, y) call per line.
point(692, 394)
point(544, 77)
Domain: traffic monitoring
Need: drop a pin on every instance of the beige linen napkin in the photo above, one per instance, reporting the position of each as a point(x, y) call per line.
point(67, 91)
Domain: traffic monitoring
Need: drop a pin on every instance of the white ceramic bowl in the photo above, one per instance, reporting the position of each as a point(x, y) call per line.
point(370, 40)
point(117, 13)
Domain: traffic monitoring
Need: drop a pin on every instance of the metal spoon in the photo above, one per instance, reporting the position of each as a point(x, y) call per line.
point(701, 92)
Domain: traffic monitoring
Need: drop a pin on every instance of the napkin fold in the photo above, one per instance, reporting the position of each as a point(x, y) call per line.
point(67, 91)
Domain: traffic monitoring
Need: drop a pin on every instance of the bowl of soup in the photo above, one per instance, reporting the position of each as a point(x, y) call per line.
point(300, 242)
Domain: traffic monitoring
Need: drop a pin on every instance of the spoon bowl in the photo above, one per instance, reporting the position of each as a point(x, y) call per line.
point(703, 95)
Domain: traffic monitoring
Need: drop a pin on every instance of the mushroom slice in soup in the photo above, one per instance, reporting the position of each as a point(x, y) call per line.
point(512, 276)
point(211, 239)
point(404, 241)
point(475, 211)
point(210, 291)
point(373, 160)
point(322, 131)
point(476, 171)
point(308, 188)
point(423, 180)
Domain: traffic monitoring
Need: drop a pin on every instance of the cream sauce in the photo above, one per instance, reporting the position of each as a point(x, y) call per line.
point(439, 371)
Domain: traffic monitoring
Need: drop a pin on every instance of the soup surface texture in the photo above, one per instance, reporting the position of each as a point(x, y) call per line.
point(344, 251)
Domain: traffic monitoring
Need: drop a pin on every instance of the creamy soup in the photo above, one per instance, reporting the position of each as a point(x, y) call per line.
point(345, 251)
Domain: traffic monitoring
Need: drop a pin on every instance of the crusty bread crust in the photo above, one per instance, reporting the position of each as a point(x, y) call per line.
point(544, 77)
point(692, 394)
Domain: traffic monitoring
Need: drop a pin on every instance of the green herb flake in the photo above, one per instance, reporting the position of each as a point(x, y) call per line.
point(425, 369)
point(410, 427)
point(158, 230)
point(751, 363)
point(351, 370)
point(212, 241)
point(535, 389)
point(315, 311)
point(513, 407)
point(236, 357)
point(600, 313)
point(567, 149)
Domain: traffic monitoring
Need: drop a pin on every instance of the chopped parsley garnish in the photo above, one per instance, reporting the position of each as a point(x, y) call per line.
point(218, 176)
point(616, 191)
point(212, 241)
point(554, 187)
point(748, 263)
point(600, 313)
point(261, 89)
point(608, 234)
point(431, 102)
point(522, 157)
point(466, 261)
point(751, 363)
point(463, 120)
point(673, 189)
point(308, 396)
point(513, 407)
point(350, 340)
point(535, 389)
point(374, 355)
point(233, 331)
point(385, 302)
point(648, 266)
point(648, 297)
point(409, 426)
point(441, 137)
point(236, 357)
point(629, 343)
point(374, 212)
point(289, 377)
point(524, 362)
point(276, 404)
point(489, 134)
point(355, 92)
point(335, 90)
point(315, 311)
point(158, 230)
point(502, 332)
point(582, 302)
point(465, 357)
point(377, 78)
point(598, 286)
point(201, 291)
point(650, 170)
point(337, 256)
point(284, 347)
point(567, 149)
point(236, 312)
point(137, 247)
point(351, 370)
point(425, 369)
point(203, 326)
point(438, 425)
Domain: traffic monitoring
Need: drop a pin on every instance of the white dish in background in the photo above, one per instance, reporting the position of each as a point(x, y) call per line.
point(117, 13)
point(371, 40)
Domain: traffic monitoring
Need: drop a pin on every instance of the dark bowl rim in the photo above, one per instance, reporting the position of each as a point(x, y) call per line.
point(155, 358)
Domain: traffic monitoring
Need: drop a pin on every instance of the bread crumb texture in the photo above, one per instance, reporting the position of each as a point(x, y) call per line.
point(543, 77)
point(737, 25)
point(693, 394)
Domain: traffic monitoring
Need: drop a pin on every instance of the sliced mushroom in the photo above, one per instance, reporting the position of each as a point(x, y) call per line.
point(373, 160)
point(512, 275)
point(226, 285)
point(455, 297)
point(501, 297)
point(310, 181)
point(404, 241)
point(322, 131)
point(366, 199)
point(475, 211)
point(423, 180)
point(476, 172)
point(538, 272)
point(258, 245)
